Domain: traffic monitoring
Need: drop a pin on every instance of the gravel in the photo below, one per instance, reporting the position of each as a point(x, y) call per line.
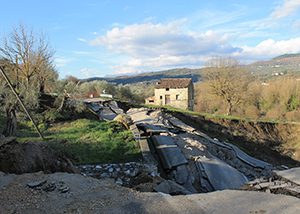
point(90, 195)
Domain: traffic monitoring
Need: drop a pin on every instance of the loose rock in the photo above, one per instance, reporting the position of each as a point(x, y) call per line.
point(36, 184)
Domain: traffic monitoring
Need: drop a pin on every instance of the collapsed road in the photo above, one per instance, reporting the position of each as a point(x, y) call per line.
point(190, 158)
point(188, 162)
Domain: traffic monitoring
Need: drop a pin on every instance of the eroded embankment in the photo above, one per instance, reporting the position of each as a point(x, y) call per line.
point(276, 143)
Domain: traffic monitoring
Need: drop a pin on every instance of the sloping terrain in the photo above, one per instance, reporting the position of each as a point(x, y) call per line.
point(195, 74)
point(21, 158)
point(219, 171)
point(88, 195)
point(281, 65)
point(276, 143)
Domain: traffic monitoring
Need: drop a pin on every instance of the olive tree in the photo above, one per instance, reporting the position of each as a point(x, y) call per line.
point(27, 61)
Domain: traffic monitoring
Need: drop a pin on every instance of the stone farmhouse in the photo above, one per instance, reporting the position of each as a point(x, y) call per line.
point(176, 92)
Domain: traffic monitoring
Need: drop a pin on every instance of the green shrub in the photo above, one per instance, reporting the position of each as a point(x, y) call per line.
point(293, 103)
point(52, 115)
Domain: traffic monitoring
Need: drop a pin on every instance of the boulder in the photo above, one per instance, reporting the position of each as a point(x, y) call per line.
point(124, 119)
point(171, 187)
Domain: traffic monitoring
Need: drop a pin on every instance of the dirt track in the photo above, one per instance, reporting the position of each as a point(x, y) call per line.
point(89, 195)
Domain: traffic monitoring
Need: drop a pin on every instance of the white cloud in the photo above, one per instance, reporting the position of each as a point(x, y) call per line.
point(269, 48)
point(161, 62)
point(287, 8)
point(157, 46)
point(61, 61)
point(151, 46)
point(168, 39)
point(81, 39)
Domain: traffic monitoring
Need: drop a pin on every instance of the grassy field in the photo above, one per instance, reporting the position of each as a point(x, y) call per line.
point(87, 141)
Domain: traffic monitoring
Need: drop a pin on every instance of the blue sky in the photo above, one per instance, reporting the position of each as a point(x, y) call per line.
point(110, 37)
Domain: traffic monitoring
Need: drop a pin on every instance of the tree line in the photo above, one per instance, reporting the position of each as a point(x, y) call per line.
point(228, 88)
point(28, 61)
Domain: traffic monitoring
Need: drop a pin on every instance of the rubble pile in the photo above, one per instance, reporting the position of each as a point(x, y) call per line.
point(229, 156)
point(123, 173)
point(49, 186)
point(276, 185)
point(282, 182)
point(211, 164)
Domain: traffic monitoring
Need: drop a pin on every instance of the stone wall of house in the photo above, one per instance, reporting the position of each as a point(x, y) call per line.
point(179, 97)
point(191, 97)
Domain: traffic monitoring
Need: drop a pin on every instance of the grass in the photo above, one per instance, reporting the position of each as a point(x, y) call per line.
point(87, 141)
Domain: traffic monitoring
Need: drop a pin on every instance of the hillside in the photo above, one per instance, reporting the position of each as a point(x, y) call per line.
point(152, 76)
point(287, 64)
point(287, 56)
point(278, 66)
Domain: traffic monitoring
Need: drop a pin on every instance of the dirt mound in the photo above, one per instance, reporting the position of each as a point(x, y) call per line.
point(21, 158)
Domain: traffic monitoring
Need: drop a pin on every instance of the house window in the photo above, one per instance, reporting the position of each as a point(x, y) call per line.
point(177, 96)
point(160, 97)
point(167, 89)
point(151, 101)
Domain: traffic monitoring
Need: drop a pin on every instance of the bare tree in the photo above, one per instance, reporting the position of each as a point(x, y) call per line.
point(46, 78)
point(27, 52)
point(26, 58)
point(227, 80)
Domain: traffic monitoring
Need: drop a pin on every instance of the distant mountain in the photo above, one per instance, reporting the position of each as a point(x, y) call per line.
point(287, 56)
point(195, 74)
point(280, 65)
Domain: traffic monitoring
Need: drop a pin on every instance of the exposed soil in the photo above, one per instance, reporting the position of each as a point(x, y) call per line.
point(265, 141)
point(89, 195)
point(21, 158)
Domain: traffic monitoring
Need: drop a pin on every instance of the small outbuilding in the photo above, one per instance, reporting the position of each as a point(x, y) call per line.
point(150, 100)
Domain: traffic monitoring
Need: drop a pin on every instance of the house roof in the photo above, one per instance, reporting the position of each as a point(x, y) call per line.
point(173, 83)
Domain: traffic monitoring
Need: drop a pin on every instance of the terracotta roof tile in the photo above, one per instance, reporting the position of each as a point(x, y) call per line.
point(173, 83)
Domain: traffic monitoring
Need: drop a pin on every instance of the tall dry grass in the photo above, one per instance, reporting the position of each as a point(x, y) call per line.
point(277, 99)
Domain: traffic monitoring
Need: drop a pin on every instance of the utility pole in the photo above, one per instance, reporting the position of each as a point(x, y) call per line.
point(21, 102)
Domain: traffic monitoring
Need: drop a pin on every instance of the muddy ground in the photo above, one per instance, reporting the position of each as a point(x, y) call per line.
point(21, 158)
point(266, 141)
point(75, 193)
point(88, 195)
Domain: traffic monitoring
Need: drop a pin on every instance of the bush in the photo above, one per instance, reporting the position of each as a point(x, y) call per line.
point(52, 115)
point(293, 103)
